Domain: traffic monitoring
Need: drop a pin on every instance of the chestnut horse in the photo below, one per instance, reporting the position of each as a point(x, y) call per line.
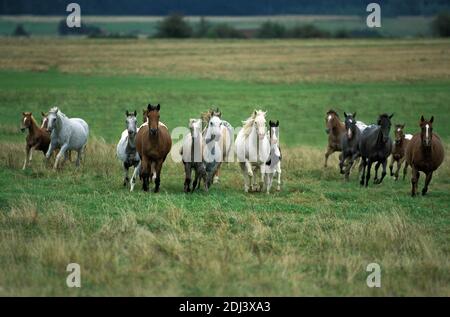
point(37, 138)
point(398, 150)
point(424, 153)
point(153, 143)
point(335, 130)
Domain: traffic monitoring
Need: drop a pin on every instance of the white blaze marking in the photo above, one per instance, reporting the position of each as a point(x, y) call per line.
point(24, 119)
point(426, 130)
point(329, 117)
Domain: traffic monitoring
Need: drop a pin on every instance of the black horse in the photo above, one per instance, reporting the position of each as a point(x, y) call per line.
point(349, 144)
point(375, 146)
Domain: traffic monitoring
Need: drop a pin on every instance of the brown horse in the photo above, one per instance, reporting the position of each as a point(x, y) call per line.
point(153, 143)
point(424, 153)
point(335, 129)
point(399, 150)
point(37, 138)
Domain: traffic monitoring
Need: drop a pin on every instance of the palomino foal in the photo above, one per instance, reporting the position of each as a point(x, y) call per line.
point(37, 138)
point(399, 150)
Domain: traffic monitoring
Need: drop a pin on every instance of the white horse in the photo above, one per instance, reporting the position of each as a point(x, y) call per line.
point(192, 154)
point(253, 149)
point(273, 165)
point(66, 134)
point(126, 148)
point(212, 147)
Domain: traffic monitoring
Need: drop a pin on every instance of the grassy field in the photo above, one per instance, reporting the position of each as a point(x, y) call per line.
point(403, 26)
point(315, 237)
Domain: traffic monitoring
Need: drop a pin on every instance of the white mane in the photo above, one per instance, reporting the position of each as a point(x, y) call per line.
point(248, 124)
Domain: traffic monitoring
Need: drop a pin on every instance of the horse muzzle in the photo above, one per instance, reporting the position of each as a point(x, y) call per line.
point(327, 131)
point(22, 129)
point(153, 131)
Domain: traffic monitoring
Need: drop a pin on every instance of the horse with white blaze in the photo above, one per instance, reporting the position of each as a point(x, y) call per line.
point(253, 149)
point(66, 134)
point(126, 148)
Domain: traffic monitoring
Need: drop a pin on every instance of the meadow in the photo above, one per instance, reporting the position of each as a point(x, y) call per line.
point(315, 237)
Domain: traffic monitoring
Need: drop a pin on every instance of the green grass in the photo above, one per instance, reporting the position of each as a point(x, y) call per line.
point(315, 237)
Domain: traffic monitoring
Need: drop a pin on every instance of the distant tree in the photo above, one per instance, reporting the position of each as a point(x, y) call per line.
point(203, 28)
point(307, 31)
point(224, 31)
point(441, 24)
point(174, 26)
point(20, 31)
point(270, 30)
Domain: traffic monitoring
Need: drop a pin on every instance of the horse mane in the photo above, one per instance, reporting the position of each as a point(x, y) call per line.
point(247, 128)
point(58, 112)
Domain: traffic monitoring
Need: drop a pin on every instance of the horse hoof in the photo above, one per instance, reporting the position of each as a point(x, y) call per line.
point(278, 189)
point(424, 192)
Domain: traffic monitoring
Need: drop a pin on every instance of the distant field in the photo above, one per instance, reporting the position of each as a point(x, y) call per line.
point(404, 26)
point(315, 237)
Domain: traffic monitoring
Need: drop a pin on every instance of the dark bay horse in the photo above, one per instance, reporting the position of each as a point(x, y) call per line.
point(375, 146)
point(153, 143)
point(398, 151)
point(335, 129)
point(37, 138)
point(349, 144)
point(424, 153)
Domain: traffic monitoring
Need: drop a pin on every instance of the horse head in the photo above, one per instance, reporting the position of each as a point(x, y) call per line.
point(384, 121)
point(26, 121)
point(44, 122)
point(399, 133)
point(274, 131)
point(350, 125)
point(131, 122)
point(195, 126)
point(427, 131)
point(259, 123)
point(52, 118)
point(214, 131)
point(153, 118)
point(330, 119)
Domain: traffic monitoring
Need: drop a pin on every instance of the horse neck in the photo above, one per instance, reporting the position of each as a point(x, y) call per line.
point(337, 126)
point(61, 121)
point(33, 128)
point(131, 143)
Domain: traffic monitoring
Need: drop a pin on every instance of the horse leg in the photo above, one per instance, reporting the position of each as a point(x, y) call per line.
point(414, 180)
point(145, 173)
point(27, 155)
point(342, 159)
point(427, 182)
point(187, 179)
point(383, 173)
point(125, 176)
point(405, 170)
point(133, 178)
point(279, 177)
point(79, 152)
point(349, 167)
point(153, 171)
point(158, 167)
point(376, 180)
point(363, 167)
point(245, 174)
point(391, 166)
point(369, 167)
point(60, 155)
point(217, 174)
point(327, 154)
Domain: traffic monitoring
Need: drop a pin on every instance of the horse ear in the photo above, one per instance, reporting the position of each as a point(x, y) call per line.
point(270, 123)
point(149, 106)
point(345, 114)
point(23, 114)
point(255, 112)
point(278, 123)
point(126, 113)
point(354, 114)
point(158, 107)
point(390, 117)
point(422, 119)
point(43, 114)
point(403, 125)
point(135, 113)
point(432, 119)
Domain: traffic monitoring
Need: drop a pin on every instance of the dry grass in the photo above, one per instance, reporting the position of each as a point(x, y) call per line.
point(284, 61)
point(142, 244)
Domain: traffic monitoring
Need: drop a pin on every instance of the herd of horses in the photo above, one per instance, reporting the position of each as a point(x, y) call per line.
point(210, 142)
point(372, 144)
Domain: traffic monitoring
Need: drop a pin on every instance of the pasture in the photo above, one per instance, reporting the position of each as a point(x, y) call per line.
point(315, 237)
